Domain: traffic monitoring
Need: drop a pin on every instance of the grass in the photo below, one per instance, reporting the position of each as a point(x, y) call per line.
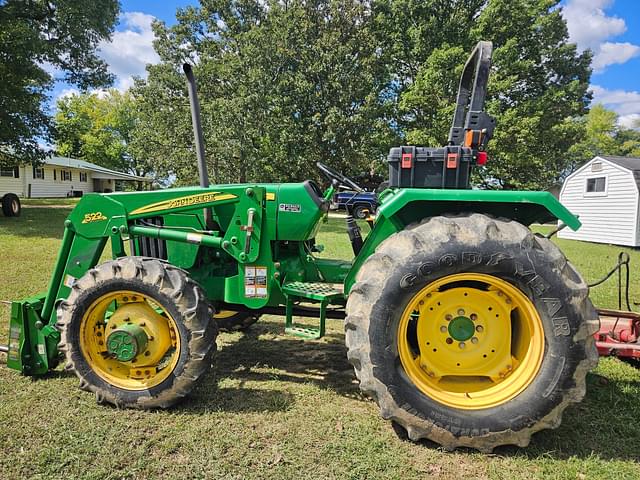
point(278, 407)
point(57, 202)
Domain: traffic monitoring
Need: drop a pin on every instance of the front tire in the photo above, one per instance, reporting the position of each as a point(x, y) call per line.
point(138, 332)
point(470, 331)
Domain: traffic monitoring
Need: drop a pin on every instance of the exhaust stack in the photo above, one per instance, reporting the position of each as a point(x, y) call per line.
point(197, 134)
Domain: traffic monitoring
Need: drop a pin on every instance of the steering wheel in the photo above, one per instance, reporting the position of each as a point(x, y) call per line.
point(342, 180)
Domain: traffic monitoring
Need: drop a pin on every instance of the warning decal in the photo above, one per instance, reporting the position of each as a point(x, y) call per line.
point(255, 281)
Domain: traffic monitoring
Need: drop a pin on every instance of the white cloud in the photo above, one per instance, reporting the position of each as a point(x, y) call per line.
point(625, 103)
point(67, 92)
point(588, 24)
point(590, 27)
point(630, 121)
point(131, 49)
point(611, 53)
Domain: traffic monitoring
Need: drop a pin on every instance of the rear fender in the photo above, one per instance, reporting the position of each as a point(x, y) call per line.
point(402, 207)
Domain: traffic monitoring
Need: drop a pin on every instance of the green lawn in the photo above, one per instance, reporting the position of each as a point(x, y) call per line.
point(279, 407)
point(49, 202)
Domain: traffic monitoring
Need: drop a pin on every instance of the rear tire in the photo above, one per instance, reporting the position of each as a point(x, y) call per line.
point(11, 205)
point(506, 254)
point(178, 319)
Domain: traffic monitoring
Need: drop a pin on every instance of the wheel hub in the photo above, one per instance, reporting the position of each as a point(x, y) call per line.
point(126, 342)
point(461, 328)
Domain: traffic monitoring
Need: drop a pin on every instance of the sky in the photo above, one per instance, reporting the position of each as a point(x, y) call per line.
point(610, 28)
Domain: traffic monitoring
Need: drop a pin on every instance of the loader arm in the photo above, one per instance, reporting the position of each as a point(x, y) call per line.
point(120, 217)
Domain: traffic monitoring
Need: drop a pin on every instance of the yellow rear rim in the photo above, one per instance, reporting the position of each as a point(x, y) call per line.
point(156, 358)
point(225, 314)
point(471, 341)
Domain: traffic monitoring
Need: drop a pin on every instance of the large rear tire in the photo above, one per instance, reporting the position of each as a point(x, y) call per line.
point(138, 332)
point(471, 331)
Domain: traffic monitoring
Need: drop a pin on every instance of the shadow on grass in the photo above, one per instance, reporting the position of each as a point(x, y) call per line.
point(36, 222)
point(604, 425)
point(260, 363)
point(265, 354)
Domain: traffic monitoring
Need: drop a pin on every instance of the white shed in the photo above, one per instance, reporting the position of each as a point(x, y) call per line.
point(61, 177)
point(604, 193)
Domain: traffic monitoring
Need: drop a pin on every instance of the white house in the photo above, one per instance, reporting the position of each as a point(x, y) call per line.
point(604, 193)
point(61, 177)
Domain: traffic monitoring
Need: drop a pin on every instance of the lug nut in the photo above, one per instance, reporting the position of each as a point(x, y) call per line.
point(474, 340)
point(443, 329)
point(449, 341)
point(461, 345)
point(473, 317)
point(479, 328)
point(448, 317)
point(461, 312)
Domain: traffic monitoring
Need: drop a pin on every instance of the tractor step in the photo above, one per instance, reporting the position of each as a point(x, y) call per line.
point(317, 292)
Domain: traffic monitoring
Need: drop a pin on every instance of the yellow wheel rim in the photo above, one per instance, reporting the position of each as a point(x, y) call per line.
point(155, 359)
point(471, 341)
point(225, 314)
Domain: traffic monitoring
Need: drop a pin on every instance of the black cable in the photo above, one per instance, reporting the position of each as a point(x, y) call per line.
point(623, 261)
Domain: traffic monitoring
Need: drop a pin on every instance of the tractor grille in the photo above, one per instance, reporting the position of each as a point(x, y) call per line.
point(149, 247)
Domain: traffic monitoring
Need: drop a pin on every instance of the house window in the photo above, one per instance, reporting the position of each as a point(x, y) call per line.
point(83, 176)
point(596, 185)
point(54, 174)
point(65, 175)
point(6, 172)
point(38, 172)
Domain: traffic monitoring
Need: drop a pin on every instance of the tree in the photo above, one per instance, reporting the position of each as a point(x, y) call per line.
point(601, 129)
point(539, 82)
point(603, 136)
point(285, 84)
point(36, 36)
point(282, 85)
point(99, 128)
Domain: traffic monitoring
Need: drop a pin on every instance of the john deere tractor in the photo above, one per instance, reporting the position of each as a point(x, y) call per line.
point(464, 326)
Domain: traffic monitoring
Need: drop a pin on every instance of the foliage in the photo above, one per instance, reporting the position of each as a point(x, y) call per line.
point(538, 83)
point(36, 37)
point(285, 84)
point(603, 136)
point(99, 127)
point(282, 85)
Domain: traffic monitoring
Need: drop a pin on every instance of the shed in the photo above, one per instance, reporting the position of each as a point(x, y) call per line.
point(604, 192)
point(61, 177)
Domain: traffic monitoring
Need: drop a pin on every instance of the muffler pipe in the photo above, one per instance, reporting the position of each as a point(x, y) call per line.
point(197, 133)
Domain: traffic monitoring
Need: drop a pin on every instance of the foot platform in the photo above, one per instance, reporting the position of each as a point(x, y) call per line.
point(318, 292)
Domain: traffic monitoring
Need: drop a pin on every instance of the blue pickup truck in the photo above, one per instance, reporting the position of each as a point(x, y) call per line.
point(361, 204)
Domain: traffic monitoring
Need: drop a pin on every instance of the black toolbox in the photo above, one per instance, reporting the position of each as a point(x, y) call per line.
point(425, 167)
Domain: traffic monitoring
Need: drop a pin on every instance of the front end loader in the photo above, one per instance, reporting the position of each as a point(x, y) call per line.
point(464, 326)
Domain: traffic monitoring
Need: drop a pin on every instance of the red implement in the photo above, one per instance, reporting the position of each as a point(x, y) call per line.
point(619, 333)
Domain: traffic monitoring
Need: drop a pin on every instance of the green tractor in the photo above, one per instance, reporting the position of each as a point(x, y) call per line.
point(464, 326)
